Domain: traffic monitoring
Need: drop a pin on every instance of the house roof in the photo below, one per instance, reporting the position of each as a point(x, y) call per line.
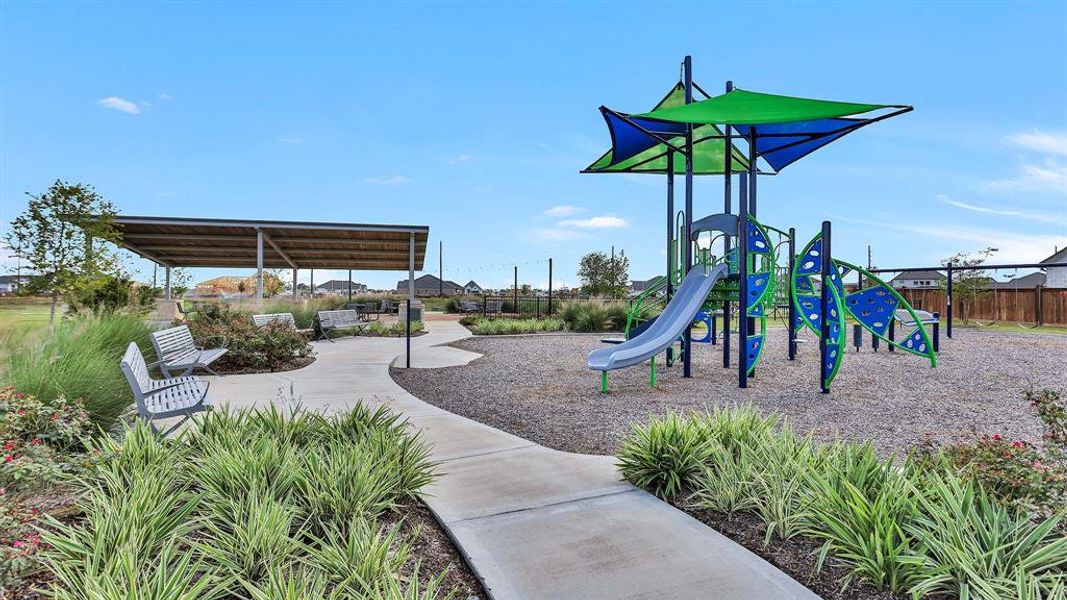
point(337, 284)
point(913, 275)
point(471, 283)
point(192, 242)
point(427, 281)
point(1025, 282)
point(1058, 256)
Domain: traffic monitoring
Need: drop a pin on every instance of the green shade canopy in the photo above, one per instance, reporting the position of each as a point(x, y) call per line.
point(708, 149)
point(741, 107)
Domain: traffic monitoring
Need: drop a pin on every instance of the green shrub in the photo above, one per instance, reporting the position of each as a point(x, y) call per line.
point(398, 329)
point(268, 348)
point(78, 361)
point(666, 455)
point(256, 504)
point(512, 326)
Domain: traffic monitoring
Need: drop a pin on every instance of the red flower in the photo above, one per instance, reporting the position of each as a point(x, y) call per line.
point(996, 437)
point(9, 445)
point(9, 458)
point(1016, 444)
point(20, 412)
point(36, 441)
point(17, 544)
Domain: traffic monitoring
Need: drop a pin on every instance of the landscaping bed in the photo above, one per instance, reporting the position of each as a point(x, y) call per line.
point(250, 504)
point(539, 387)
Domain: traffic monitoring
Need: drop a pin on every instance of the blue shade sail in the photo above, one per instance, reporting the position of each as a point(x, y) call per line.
point(628, 140)
point(780, 149)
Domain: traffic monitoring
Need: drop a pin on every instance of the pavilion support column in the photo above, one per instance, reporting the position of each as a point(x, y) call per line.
point(166, 283)
point(259, 265)
point(295, 296)
point(350, 285)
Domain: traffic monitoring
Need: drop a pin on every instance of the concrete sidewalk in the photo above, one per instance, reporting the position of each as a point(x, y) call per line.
point(533, 522)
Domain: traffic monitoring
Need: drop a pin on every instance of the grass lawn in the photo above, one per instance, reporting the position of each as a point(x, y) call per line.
point(23, 313)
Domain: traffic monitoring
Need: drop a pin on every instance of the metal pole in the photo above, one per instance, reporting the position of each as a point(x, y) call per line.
point(550, 286)
point(742, 283)
point(259, 265)
point(687, 341)
point(440, 268)
point(824, 317)
point(727, 241)
point(407, 334)
point(515, 290)
point(948, 303)
point(294, 283)
point(411, 271)
point(18, 276)
point(670, 241)
point(166, 283)
point(753, 156)
point(350, 285)
point(791, 326)
point(311, 293)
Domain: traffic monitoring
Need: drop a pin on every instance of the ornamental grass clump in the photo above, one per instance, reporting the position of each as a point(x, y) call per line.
point(512, 326)
point(938, 523)
point(250, 504)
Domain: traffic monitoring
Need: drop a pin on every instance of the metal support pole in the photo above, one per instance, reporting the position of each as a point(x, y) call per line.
point(407, 334)
point(440, 268)
point(792, 310)
point(515, 290)
point(670, 240)
point(550, 286)
point(948, 302)
point(259, 265)
point(824, 317)
point(166, 283)
point(892, 332)
point(294, 284)
point(937, 332)
point(742, 284)
point(728, 208)
point(350, 285)
point(411, 271)
point(311, 293)
point(687, 341)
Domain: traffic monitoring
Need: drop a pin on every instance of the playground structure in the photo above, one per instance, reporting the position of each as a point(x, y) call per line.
point(777, 130)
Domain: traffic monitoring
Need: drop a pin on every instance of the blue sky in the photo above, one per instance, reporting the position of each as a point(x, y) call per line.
point(475, 118)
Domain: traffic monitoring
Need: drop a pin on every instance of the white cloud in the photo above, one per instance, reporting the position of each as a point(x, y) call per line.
point(1027, 215)
point(565, 210)
point(1012, 247)
point(120, 104)
point(462, 158)
point(1041, 141)
point(394, 180)
point(1050, 177)
point(602, 222)
point(164, 96)
point(291, 140)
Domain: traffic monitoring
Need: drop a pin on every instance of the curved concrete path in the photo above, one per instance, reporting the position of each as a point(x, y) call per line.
point(532, 522)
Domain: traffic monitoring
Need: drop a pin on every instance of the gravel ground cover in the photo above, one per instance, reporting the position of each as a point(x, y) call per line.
point(539, 387)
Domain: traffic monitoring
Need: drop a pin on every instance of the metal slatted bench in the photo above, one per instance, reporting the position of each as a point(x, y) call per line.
point(280, 318)
point(333, 320)
point(925, 318)
point(162, 398)
point(179, 352)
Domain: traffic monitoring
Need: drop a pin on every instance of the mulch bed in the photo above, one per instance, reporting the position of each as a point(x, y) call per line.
point(296, 363)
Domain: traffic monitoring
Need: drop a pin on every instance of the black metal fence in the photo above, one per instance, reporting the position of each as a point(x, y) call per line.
point(514, 305)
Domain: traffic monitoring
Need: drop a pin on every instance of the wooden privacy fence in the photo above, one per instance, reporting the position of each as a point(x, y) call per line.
point(1045, 306)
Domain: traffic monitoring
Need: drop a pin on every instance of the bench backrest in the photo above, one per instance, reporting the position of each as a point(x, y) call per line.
point(387, 305)
point(924, 317)
point(136, 372)
point(338, 318)
point(175, 340)
point(282, 318)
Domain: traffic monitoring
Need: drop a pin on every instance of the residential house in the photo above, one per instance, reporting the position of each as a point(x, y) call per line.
point(10, 284)
point(226, 285)
point(1056, 276)
point(473, 288)
point(340, 287)
point(918, 280)
point(1025, 282)
point(428, 285)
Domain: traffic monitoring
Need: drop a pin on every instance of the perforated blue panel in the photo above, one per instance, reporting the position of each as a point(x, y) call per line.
point(811, 263)
point(804, 285)
point(756, 311)
point(873, 307)
point(914, 342)
point(752, 350)
point(757, 282)
point(798, 322)
point(836, 278)
point(703, 317)
point(812, 307)
point(757, 242)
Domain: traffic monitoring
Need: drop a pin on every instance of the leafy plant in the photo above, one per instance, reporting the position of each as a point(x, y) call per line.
point(666, 455)
point(249, 347)
point(513, 326)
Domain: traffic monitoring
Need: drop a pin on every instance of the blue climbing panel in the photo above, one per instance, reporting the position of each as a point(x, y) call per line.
point(752, 350)
point(811, 262)
point(757, 242)
point(757, 282)
point(915, 343)
point(812, 308)
point(804, 285)
point(704, 317)
point(873, 307)
point(756, 311)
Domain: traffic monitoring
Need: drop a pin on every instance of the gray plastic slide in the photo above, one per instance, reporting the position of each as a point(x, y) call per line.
point(680, 312)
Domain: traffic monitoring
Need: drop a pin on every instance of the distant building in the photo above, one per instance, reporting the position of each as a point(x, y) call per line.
point(226, 284)
point(340, 287)
point(472, 288)
point(1026, 282)
point(1056, 276)
point(428, 285)
point(10, 284)
point(918, 280)
point(638, 286)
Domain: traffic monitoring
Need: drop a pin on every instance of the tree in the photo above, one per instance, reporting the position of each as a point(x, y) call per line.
point(968, 284)
point(272, 283)
point(603, 275)
point(58, 237)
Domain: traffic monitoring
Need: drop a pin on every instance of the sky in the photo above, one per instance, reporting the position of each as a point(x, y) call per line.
point(474, 118)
